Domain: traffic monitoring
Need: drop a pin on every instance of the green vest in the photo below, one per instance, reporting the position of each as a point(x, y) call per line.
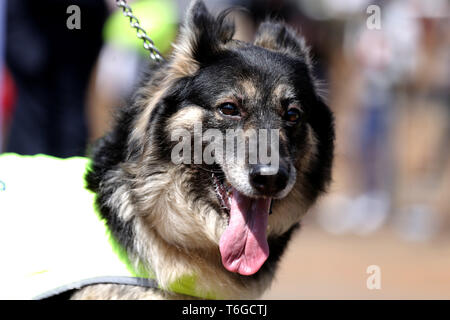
point(51, 237)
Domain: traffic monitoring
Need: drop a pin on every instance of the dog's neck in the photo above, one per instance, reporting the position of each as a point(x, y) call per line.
point(167, 225)
point(196, 274)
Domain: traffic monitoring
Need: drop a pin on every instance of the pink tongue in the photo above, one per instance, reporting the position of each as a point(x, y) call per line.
point(243, 245)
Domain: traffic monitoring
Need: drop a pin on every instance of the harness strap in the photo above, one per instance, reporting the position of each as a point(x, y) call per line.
point(141, 282)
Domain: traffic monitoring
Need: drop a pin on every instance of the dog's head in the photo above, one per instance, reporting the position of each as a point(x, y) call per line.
point(221, 133)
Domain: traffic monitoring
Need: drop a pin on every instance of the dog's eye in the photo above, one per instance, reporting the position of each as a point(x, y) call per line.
point(229, 109)
point(293, 115)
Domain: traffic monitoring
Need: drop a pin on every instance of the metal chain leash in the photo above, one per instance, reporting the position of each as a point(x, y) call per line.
point(149, 45)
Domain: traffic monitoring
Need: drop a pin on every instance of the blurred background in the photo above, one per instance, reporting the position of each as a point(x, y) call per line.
point(385, 69)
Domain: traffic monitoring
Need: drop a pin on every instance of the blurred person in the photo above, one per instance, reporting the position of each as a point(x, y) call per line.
point(122, 58)
point(50, 65)
point(392, 127)
point(422, 133)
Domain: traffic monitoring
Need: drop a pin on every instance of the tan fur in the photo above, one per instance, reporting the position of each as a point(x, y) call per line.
point(184, 64)
point(185, 118)
point(249, 88)
point(156, 93)
point(283, 91)
point(268, 40)
point(123, 292)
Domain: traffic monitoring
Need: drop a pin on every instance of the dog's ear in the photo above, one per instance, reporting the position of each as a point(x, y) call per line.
point(202, 37)
point(278, 37)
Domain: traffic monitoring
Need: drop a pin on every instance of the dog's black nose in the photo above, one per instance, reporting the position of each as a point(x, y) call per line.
point(268, 181)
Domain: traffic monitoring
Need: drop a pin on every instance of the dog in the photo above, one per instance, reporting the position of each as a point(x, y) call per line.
point(223, 227)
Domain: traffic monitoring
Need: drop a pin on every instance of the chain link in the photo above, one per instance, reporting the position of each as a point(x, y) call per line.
point(140, 32)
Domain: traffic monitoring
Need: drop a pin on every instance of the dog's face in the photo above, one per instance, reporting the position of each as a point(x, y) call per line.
point(222, 196)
